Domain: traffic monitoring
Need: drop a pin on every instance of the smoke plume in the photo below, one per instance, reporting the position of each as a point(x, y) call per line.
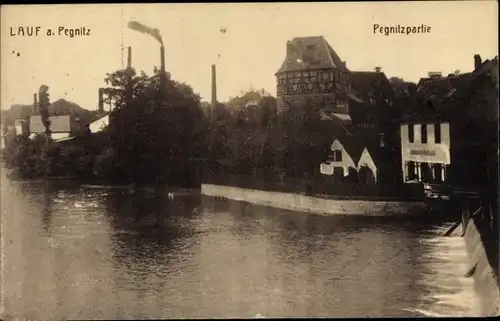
point(137, 26)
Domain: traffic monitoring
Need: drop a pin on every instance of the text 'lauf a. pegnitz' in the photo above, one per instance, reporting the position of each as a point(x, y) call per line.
point(34, 31)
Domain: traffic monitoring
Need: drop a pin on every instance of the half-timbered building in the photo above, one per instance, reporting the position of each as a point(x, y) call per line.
point(314, 76)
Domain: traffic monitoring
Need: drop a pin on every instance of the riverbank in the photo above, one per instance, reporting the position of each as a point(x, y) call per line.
point(316, 204)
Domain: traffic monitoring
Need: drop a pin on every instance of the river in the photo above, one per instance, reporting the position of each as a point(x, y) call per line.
point(73, 252)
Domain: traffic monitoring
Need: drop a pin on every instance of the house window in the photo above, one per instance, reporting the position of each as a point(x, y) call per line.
point(437, 133)
point(438, 172)
point(305, 75)
point(426, 172)
point(336, 156)
point(297, 75)
point(324, 76)
point(423, 132)
point(313, 75)
point(410, 171)
point(411, 133)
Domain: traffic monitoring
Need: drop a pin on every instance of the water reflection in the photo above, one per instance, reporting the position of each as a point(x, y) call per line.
point(78, 252)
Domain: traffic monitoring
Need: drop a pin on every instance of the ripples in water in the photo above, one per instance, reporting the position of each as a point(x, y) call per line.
point(103, 253)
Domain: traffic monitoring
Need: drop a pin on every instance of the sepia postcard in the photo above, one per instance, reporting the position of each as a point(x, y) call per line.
point(249, 160)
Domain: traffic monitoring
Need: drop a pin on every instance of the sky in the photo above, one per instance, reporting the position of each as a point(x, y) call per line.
point(247, 55)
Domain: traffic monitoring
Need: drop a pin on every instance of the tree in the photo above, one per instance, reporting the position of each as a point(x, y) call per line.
point(154, 128)
point(44, 104)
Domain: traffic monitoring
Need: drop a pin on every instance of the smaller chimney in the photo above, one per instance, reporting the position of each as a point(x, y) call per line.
point(477, 62)
point(162, 57)
point(344, 63)
point(289, 49)
point(35, 104)
point(101, 100)
point(129, 58)
point(377, 69)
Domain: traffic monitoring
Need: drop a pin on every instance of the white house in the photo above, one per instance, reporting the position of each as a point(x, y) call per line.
point(425, 151)
point(60, 126)
point(366, 167)
point(99, 124)
point(349, 158)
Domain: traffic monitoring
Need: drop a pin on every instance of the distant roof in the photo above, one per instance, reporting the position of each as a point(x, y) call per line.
point(487, 64)
point(309, 53)
point(252, 103)
point(59, 124)
point(437, 97)
point(445, 87)
point(364, 81)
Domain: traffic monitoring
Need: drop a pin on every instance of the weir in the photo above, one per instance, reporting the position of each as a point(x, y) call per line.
point(479, 223)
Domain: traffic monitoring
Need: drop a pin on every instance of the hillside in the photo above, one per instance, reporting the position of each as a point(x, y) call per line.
point(57, 108)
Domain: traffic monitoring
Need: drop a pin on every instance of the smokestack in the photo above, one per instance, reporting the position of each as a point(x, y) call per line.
point(162, 57)
point(129, 58)
point(101, 100)
point(214, 85)
point(35, 104)
point(477, 62)
point(214, 92)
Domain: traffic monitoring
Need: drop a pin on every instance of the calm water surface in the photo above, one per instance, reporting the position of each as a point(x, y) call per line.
point(72, 252)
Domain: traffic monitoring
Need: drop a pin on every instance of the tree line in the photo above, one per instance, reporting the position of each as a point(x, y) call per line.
point(168, 136)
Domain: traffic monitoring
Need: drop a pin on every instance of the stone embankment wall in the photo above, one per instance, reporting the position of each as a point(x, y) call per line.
point(317, 205)
point(485, 280)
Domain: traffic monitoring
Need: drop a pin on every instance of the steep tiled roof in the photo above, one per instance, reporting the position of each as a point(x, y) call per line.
point(309, 53)
point(439, 98)
point(442, 86)
point(364, 81)
point(354, 146)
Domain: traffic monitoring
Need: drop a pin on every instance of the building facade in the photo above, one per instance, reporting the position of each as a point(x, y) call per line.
point(313, 76)
point(425, 152)
point(350, 162)
point(451, 135)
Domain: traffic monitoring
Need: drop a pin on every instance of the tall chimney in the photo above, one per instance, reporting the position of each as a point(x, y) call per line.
point(477, 62)
point(162, 57)
point(214, 85)
point(35, 104)
point(129, 58)
point(101, 100)
point(214, 92)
